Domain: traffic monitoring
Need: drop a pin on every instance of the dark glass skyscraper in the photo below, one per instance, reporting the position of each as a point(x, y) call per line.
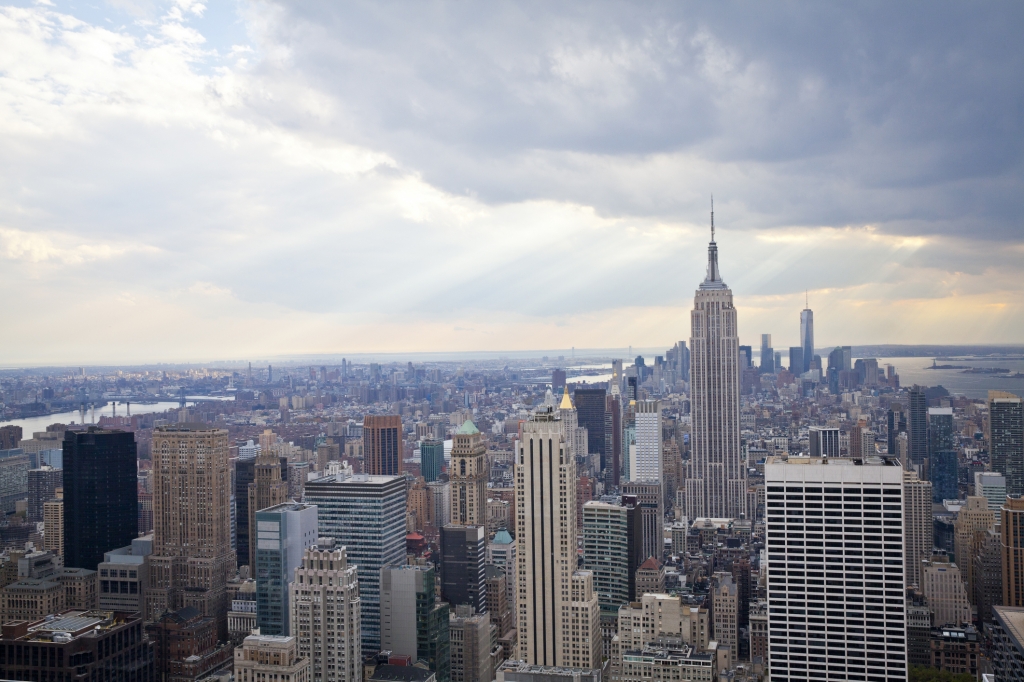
point(590, 407)
point(1006, 425)
point(917, 425)
point(100, 494)
point(431, 459)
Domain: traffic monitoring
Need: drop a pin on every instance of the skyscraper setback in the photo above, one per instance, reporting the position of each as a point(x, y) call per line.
point(716, 485)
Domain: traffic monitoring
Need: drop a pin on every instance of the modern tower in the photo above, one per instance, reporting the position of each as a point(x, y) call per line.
point(268, 489)
point(366, 515)
point(431, 459)
point(590, 407)
point(413, 622)
point(606, 554)
point(467, 472)
point(245, 473)
point(807, 337)
point(1006, 428)
point(646, 459)
point(192, 557)
point(554, 598)
point(943, 469)
point(917, 426)
point(325, 613)
point(767, 353)
point(382, 444)
point(284, 533)
point(100, 494)
point(463, 556)
point(717, 482)
point(828, 612)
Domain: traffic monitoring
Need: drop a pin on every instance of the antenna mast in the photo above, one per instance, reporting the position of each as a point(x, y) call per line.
point(712, 217)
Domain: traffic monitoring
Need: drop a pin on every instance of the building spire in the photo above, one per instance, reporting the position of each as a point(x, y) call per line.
point(712, 217)
point(714, 278)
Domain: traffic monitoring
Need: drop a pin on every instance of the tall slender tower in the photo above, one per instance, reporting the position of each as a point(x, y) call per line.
point(468, 475)
point(559, 615)
point(807, 337)
point(192, 556)
point(266, 491)
point(717, 482)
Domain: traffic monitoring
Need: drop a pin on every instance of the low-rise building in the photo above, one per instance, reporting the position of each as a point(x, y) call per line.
point(956, 650)
point(186, 647)
point(123, 574)
point(521, 671)
point(270, 657)
point(667, 664)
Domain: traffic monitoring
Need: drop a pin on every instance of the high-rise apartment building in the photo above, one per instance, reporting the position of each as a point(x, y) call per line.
point(431, 459)
point(42, 486)
point(807, 337)
point(53, 526)
point(463, 556)
point(468, 476)
point(412, 621)
point(917, 524)
point(1012, 538)
point(606, 554)
point(1006, 439)
point(817, 508)
point(646, 463)
point(192, 557)
point(716, 485)
point(283, 533)
point(100, 494)
point(269, 488)
point(382, 443)
point(325, 613)
point(590, 410)
point(551, 591)
point(366, 515)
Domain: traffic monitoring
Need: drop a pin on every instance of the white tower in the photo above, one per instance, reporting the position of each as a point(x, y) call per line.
point(717, 482)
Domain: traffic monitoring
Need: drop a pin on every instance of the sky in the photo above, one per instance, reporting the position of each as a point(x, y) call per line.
point(182, 181)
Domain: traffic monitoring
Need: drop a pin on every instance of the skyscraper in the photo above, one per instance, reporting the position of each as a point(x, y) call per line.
point(823, 441)
point(382, 444)
point(284, 533)
point(468, 475)
point(767, 352)
point(463, 555)
point(590, 407)
point(366, 515)
point(192, 556)
point(1006, 428)
point(325, 613)
point(897, 424)
point(431, 459)
point(917, 524)
point(807, 337)
point(1012, 539)
point(917, 426)
point(269, 488)
point(413, 622)
point(870, 581)
point(646, 458)
point(606, 554)
point(613, 412)
point(100, 494)
point(717, 482)
point(546, 552)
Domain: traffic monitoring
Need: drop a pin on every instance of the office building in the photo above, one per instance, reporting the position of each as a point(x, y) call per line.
point(650, 499)
point(807, 338)
point(666, 662)
point(988, 575)
point(917, 524)
point(1006, 439)
point(991, 486)
point(758, 630)
point(943, 586)
point(431, 459)
point(499, 610)
point(576, 439)
point(767, 355)
point(100, 494)
point(942, 454)
point(716, 484)
point(412, 622)
point(521, 671)
point(725, 612)
point(123, 576)
point(650, 577)
point(463, 556)
point(53, 526)
point(1007, 633)
point(242, 616)
point(77, 645)
point(546, 537)
point(366, 515)
point(42, 486)
point(283, 534)
point(590, 412)
point(382, 443)
point(13, 481)
point(192, 558)
point(823, 441)
point(501, 552)
point(917, 426)
point(325, 613)
point(270, 657)
point(872, 591)
point(972, 521)
point(10, 436)
point(646, 463)
point(468, 476)
point(896, 424)
point(653, 617)
point(557, 381)
point(268, 488)
point(470, 635)
point(1012, 538)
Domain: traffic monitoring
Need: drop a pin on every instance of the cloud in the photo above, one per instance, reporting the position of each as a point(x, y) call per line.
point(505, 176)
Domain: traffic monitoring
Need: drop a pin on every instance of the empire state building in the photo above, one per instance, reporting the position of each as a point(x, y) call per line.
point(717, 482)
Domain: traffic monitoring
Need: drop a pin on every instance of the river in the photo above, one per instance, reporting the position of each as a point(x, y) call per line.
point(31, 425)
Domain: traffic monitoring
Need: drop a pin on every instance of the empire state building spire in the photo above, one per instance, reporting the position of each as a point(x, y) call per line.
point(713, 280)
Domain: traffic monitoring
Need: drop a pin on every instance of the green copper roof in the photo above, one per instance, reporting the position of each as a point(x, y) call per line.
point(502, 538)
point(468, 429)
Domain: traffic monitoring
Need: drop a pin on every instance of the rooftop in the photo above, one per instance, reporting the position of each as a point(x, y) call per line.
point(468, 428)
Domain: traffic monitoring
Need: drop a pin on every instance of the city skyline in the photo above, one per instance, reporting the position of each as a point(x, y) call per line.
point(234, 187)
